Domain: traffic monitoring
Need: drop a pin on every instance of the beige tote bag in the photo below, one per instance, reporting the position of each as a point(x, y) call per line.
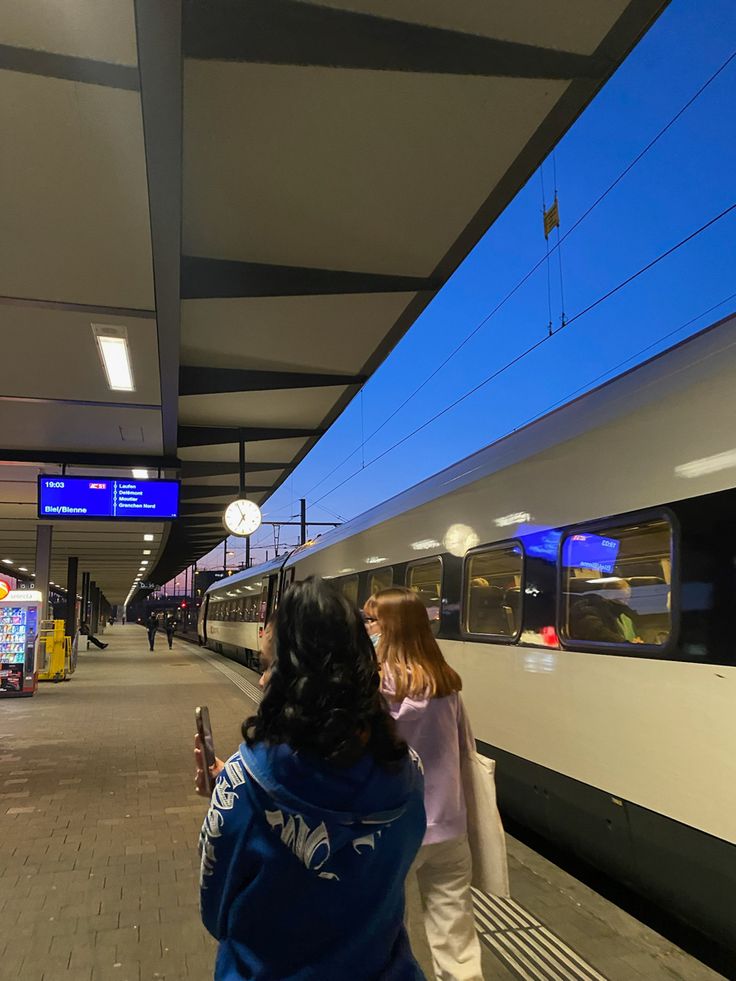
point(485, 830)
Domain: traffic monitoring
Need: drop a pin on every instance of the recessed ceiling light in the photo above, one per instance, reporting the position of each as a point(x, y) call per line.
point(112, 343)
point(8, 561)
point(148, 538)
point(140, 474)
point(22, 568)
point(146, 551)
point(144, 562)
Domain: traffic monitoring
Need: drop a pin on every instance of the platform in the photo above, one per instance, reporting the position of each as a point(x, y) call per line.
point(99, 826)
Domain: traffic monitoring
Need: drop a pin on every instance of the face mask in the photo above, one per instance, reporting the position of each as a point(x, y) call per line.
point(375, 639)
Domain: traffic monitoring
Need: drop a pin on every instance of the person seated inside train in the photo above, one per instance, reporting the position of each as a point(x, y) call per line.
point(487, 609)
point(619, 592)
point(315, 821)
point(596, 617)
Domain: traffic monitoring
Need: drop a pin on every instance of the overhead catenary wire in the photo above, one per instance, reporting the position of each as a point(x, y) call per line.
point(627, 360)
point(527, 276)
point(546, 245)
point(563, 321)
point(537, 344)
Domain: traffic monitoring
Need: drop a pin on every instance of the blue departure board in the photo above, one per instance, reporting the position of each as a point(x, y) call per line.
point(77, 498)
point(590, 552)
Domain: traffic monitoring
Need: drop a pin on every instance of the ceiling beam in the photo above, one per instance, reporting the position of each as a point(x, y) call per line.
point(203, 278)
point(207, 468)
point(159, 35)
point(290, 32)
point(196, 491)
point(219, 435)
point(38, 400)
point(203, 520)
point(88, 309)
point(74, 458)
point(49, 64)
point(195, 380)
point(189, 508)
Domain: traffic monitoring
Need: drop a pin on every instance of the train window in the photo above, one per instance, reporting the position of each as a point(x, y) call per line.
point(380, 579)
point(425, 578)
point(493, 582)
point(617, 583)
point(348, 586)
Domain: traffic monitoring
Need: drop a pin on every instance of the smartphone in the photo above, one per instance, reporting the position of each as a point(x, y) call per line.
point(204, 729)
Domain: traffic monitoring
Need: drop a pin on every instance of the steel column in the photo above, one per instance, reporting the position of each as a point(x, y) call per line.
point(71, 595)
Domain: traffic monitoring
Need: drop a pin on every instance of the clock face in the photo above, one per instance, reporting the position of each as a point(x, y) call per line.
point(242, 517)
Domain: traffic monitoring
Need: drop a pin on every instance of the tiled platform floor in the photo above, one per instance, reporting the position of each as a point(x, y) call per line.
point(99, 823)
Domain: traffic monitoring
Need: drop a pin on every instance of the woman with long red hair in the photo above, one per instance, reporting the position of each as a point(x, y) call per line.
point(422, 690)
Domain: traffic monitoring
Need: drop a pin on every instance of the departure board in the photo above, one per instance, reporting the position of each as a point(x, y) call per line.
point(79, 498)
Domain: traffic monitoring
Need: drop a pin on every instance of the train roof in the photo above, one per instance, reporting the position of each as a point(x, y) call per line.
point(255, 572)
point(633, 389)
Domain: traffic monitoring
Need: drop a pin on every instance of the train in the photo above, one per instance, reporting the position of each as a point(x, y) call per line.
point(580, 574)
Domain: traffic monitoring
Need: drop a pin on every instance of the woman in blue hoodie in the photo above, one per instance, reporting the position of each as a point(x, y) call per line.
point(315, 820)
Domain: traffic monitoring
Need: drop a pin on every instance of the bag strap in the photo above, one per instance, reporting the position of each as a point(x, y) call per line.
point(465, 731)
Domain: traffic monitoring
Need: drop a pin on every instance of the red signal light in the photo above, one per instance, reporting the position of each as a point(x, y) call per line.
point(549, 637)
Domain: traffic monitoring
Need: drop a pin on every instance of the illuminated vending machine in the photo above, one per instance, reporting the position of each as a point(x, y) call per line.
point(20, 614)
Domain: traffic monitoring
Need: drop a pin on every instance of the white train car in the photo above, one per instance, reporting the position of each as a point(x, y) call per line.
point(581, 576)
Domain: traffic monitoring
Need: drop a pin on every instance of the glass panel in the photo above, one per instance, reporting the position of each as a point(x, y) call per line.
point(425, 579)
point(349, 589)
point(380, 579)
point(617, 584)
point(493, 591)
point(263, 602)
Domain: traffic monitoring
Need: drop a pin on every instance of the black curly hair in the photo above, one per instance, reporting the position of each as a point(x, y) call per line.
point(323, 692)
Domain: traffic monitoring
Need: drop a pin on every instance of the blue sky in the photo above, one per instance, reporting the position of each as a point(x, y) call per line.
point(686, 179)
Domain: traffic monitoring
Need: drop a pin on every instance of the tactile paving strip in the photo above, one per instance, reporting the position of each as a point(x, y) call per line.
point(525, 946)
point(247, 687)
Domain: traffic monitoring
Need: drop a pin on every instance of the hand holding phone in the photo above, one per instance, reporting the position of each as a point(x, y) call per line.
point(207, 746)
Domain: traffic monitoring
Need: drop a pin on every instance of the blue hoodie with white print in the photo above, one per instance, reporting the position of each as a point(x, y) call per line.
point(303, 867)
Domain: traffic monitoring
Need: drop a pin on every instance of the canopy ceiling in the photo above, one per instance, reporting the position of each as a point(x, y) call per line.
point(266, 194)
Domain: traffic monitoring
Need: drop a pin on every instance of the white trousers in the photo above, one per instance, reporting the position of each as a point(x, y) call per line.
point(442, 874)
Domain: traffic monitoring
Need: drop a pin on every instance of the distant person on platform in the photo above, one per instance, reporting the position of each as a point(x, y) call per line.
point(171, 625)
point(91, 639)
point(151, 627)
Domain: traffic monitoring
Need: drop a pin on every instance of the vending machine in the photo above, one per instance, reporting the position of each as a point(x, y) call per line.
point(20, 615)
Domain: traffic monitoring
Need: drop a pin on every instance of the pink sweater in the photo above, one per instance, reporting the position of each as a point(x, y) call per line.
point(433, 728)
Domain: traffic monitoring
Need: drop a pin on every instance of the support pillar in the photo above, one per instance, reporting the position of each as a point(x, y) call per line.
point(71, 595)
point(43, 566)
point(302, 520)
point(94, 606)
point(84, 609)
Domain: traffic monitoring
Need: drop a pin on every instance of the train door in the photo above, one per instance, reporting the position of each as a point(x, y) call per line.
point(272, 599)
point(268, 601)
point(202, 622)
point(287, 578)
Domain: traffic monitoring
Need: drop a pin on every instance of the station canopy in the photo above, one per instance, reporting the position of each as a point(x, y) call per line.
point(264, 194)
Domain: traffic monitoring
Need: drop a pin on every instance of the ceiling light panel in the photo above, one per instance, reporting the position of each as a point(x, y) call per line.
point(112, 344)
